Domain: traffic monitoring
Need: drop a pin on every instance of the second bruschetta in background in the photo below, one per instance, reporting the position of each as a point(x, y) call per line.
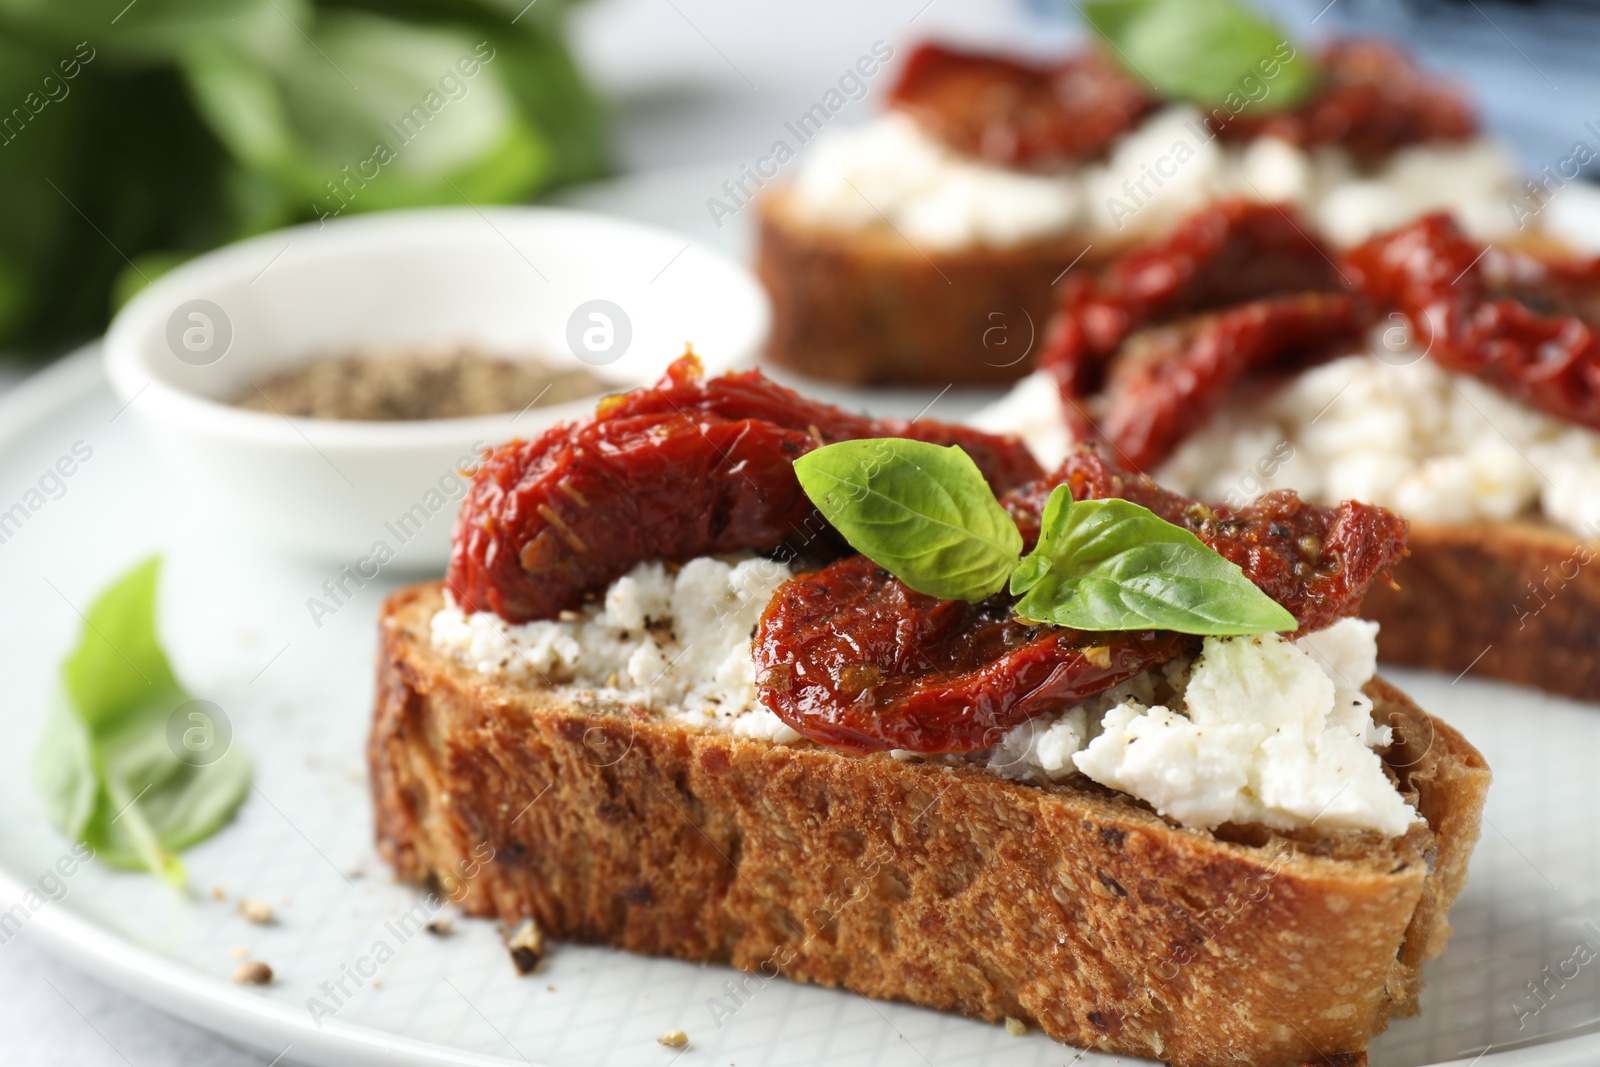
point(927, 244)
point(1455, 383)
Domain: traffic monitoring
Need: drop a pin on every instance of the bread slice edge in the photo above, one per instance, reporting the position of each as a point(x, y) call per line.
point(866, 306)
point(1514, 601)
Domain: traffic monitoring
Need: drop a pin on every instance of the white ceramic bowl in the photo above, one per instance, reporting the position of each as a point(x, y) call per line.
point(508, 279)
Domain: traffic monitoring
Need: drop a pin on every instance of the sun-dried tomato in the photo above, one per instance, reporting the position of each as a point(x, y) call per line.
point(1224, 254)
point(850, 657)
point(1019, 114)
point(1371, 99)
point(684, 390)
point(1316, 561)
point(1169, 380)
point(690, 467)
point(1524, 325)
point(1146, 351)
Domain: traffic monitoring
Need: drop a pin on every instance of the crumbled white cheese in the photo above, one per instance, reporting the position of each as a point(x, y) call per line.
point(1385, 426)
point(1411, 436)
point(1045, 745)
point(1032, 410)
point(1472, 179)
point(1256, 730)
point(934, 195)
point(1574, 214)
point(673, 643)
point(1265, 731)
point(1347, 652)
point(1160, 170)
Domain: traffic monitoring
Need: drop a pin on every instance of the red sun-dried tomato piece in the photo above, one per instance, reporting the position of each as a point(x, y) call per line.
point(1019, 114)
point(1316, 561)
point(1525, 325)
point(851, 657)
point(1144, 352)
point(1222, 255)
point(1371, 99)
point(1168, 381)
point(683, 469)
point(684, 390)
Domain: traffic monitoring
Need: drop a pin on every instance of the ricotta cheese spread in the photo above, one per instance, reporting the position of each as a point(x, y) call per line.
point(1158, 172)
point(671, 640)
point(1256, 730)
point(1431, 445)
point(1396, 430)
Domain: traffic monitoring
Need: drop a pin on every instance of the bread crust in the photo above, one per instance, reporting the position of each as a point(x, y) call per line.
point(1070, 907)
point(867, 307)
point(1516, 601)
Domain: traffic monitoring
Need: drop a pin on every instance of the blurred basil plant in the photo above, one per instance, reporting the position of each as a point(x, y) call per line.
point(135, 135)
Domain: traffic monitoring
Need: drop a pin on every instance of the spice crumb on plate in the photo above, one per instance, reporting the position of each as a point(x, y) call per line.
point(674, 1039)
point(526, 944)
point(253, 972)
point(256, 912)
point(1015, 1027)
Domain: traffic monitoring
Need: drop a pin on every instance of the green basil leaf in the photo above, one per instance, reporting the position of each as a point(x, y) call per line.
point(922, 512)
point(64, 771)
point(1208, 52)
point(122, 836)
point(1112, 18)
point(108, 767)
point(293, 111)
point(135, 750)
point(181, 810)
point(119, 663)
point(1035, 566)
point(198, 801)
point(1114, 565)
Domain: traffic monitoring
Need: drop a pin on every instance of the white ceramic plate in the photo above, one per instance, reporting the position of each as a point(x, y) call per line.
point(299, 695)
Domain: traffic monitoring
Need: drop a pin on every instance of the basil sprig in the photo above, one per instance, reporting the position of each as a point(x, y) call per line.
point(109, 768)
point(1114, 565)
point(926, 515)
point(1208, 52)
point(922, 512)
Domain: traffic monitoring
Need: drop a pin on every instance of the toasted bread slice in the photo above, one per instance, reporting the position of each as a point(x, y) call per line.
point(1071, 907)
point(1516, 601)
point(868, 307)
